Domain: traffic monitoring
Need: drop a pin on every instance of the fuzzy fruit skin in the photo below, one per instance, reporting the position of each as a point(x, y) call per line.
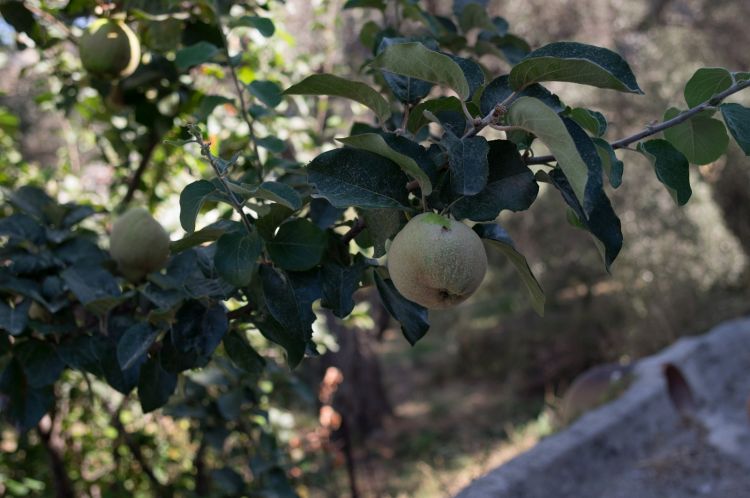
point(138, 243)
point(436, 262)
point(109, 48)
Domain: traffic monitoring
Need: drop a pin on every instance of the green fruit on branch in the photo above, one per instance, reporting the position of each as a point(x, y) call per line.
point(436, 262)
point(109, 49)
point(138, 244)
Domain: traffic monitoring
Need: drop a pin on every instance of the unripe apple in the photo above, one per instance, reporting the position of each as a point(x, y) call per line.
point(436, 261)
point(138, 243)
point(109, 49)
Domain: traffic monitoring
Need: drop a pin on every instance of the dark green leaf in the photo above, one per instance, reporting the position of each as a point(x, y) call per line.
point(194, 55)
point(701, 139)
point(592, 121)
point(510, 185)
point(705, 83)
point(14, 319)
point(413, 317)
point(417, 118)
point(290, 306)
point(268, 92)
point(414, 60)
point(268, 224)
point(155, 385)
point(406, 89)
point(472, 72)
point(243, 354)
point(498, 238)
point(93, 286)
point(134, 344)
point(467, 159)
point(576, 63)
point(612, 166)
point(25, 406)
point(208, 233)
point(672, 168)
point(264, 25)
point(328, 84)
point(474, 15)
point(274, 144)
point(191, 201)
point(298, 245)
point(365, 4)
point(207, 106)
point(39, 361)
point(199, 330)
point(499, 89)
point(374, 143)
point(737, 119)
point(236, 258)
point(382, 224)
point(352, 177)
point(22, 228)
point(339, 284)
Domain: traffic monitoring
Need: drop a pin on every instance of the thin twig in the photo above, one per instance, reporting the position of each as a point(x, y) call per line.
point(135, 181)
point(654, 129)
point(206, 152)
point(493, 116)
point(356, 229)
point(52, 20)
point(238, 88)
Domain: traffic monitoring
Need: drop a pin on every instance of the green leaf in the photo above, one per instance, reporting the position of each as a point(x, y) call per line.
point(411, 316)
point(13, 320)
point(472, 72)
point(207, 234)
point(236, 257)
point(374, 143)
point(592, 121)
point(705, 83)
point(406, 89)
point(134, 344)
point(278, 192)
point(191, 201)
point(499, 239)
point(95, 287)
point(417, 118)
point(39, 361)
point(328, 84)
point(290, 304)
point(475, 16)
point(268, 92)
point(339, 284)
point(701, 139)
point(672, 168)
point(155, 385)
point(207, 106)
point(510, 185)
point(194, 55)
point(352, 177)
point(268, 223)
point(196, 333)
point(382, 224)
point(298, 245)
point(499, 89)
point(576, 63)
point(535, 117)
point(611, 165)
point(274, 144)
point(414, 60)
point(365, 4)
point(25, 406)
point(737, 119)
point(243, 354)
point(264, 25)
point(467, 159)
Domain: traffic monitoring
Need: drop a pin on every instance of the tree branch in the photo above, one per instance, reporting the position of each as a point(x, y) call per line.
point(135, 181)
point(238, 88)
point(356, 229)
point(51, 442)
point(653, 130)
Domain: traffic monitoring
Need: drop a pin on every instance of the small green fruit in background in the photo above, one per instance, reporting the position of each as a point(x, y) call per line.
point(138, 243)
point(109, 49)
point(436, 262)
